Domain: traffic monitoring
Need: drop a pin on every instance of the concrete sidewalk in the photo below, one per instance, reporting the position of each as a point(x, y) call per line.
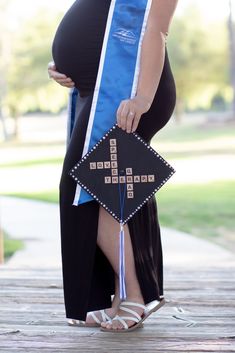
point(37, 224)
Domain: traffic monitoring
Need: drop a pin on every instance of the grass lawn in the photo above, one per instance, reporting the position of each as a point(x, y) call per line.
point(51, 196)
point(11, 246)
point(31, 163)
point(191, 131)
point(185, 140)
point(204, 210)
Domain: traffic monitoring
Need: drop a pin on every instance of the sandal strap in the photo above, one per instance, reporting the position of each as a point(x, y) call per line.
point(134, 304)
point(105, 316)
point(129, 318)
point(94, 317)
point(130, 311)
point(123, 319)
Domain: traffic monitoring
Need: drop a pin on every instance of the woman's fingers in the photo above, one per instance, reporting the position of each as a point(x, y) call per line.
point(56, 75)
point(130, 111)
point(68, 85)
point(126, 115)
point(51, 66)
point(129, 121)
point(60, 78)
point(121, 115)
point(135, 123)
point(63, 80)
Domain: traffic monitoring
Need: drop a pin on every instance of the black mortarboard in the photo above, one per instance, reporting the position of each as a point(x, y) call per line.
point(117, 162)
point(122, 172)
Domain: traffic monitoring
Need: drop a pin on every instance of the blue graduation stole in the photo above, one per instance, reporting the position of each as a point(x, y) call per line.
point(117, 77)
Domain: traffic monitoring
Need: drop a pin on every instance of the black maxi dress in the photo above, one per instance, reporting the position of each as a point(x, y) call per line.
point(87, 275)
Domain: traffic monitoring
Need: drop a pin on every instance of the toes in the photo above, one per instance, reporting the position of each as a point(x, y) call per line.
point(115, 326)
point(106, 325)
point(110, 325)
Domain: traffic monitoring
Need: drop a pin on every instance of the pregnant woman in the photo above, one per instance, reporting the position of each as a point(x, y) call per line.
point(89, 235)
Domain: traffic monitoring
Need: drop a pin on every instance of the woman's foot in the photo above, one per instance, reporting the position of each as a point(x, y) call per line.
point(99, 316)
point(131, 311)
point(94, 318)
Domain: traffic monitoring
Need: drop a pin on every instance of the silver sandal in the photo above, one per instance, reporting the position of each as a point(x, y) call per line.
point(148, 310)
point(97, 322)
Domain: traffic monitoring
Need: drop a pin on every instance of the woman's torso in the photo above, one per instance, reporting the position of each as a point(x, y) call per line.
point(78, 42)
point(76, 51)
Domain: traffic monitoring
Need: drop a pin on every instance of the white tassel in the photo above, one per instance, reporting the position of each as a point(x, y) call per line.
point(122, 283)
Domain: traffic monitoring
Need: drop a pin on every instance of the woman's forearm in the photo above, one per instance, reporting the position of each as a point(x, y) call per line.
point(151, 66)
point(153, 48)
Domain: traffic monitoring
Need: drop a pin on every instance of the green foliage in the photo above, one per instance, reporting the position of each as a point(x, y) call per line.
point(29, 88)
point(31, 163)
point(200, 58)
point(11, 246)
point(200, 209)
point(51, 196)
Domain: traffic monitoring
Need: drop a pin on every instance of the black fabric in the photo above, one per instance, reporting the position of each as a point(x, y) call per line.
point(88, 276)
point(78, 42)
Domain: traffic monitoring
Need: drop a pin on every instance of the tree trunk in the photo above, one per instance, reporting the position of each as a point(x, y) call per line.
point(231, 30)
point(4, 128)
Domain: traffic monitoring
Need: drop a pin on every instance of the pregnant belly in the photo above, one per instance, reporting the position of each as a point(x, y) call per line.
point(78, 42)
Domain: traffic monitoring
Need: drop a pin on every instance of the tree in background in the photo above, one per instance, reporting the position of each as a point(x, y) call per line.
point(28, 80)
point(199, 60)
point(199, 56)
point(29, 88)
point(231, 30)
point(5, 55)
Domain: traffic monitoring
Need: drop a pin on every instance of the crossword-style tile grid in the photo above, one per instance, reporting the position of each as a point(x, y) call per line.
point(128, 178)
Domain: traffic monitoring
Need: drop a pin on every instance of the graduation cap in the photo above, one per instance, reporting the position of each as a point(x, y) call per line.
point(122, 172)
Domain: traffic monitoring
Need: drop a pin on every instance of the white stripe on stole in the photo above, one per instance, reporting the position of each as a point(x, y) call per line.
point(137, 68)
point(96, 92)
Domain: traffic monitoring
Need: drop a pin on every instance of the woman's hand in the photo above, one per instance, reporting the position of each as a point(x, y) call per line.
point(130, 112)
point(62, 79)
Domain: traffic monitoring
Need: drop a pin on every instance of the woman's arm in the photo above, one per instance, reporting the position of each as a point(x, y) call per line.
point(151, 64)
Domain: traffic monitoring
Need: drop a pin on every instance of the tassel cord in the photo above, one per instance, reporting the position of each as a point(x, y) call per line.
point(122, 199)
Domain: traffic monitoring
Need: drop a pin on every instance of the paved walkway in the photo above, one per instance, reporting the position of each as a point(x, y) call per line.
point(37, 224)
point(199, 315)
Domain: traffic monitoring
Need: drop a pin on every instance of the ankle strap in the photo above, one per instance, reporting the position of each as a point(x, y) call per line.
point(133, 304)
